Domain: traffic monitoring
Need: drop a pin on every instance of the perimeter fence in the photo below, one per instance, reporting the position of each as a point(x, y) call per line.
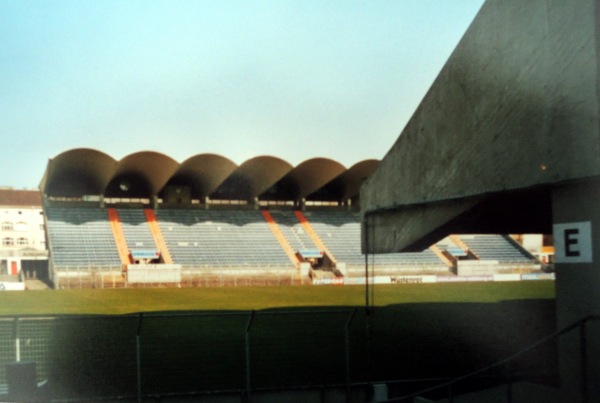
point(164, 354)
point(89, 277)
point(161, 355)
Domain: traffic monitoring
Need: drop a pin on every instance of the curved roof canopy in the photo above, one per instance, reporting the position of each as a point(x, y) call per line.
point(203, 173)
point(252, 178)
point(349, 182)
point(145, 174)
point(142, 174)
point(78, 172)
point(314, 174)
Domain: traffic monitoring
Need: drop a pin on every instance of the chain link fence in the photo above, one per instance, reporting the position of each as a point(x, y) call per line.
point(156, 356)
point(165, 354)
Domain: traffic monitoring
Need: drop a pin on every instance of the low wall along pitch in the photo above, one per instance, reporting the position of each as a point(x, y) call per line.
point(149, 273)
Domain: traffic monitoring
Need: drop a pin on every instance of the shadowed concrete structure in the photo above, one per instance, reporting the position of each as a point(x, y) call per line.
point(507, 140)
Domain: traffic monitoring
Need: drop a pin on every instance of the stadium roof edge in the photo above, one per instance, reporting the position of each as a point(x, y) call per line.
point(147, 174)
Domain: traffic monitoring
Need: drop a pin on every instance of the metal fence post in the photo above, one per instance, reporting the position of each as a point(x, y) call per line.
point(138, 357)
point(17, 340)
point(248, 387)
point(347, 338)
point(583, 353)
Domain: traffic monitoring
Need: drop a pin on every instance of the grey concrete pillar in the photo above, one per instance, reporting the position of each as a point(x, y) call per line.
point(576, 220)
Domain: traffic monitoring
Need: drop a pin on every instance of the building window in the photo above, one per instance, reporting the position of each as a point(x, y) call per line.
point(22, 242)
point(21, 226)
point(7, 226)
point(8, 242)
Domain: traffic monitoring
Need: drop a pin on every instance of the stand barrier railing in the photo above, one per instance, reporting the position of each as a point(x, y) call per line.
point(91, 277)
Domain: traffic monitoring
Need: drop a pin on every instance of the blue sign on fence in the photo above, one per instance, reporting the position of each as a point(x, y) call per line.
point(145, 254)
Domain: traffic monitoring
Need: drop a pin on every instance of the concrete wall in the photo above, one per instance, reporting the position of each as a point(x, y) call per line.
point(515, 106)
point(578, 291)
point(512, 120)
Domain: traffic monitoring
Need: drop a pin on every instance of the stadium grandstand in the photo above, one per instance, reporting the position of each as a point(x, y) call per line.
point(147, 220)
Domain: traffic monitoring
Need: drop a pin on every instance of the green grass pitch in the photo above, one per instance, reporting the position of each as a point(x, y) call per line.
point(122, 301)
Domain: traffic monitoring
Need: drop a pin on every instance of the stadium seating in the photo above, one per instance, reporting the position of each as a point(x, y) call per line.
point(234, 239)
point(496, 247)
point(340, 231)
point(81, 237)
point(220, 238)
point(135, 228)
point(292, 230)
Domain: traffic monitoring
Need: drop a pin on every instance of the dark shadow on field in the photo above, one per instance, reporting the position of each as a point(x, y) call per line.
point(454, 339)
point(184, 352)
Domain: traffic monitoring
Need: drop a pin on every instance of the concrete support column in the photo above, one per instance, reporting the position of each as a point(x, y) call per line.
point(576, 219)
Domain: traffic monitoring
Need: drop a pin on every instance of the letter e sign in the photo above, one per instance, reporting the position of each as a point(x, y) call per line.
point(573, 242)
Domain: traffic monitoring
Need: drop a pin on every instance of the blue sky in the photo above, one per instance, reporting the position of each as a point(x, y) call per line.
point(293, 79)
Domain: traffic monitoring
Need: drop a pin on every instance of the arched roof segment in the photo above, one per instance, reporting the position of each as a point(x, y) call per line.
point(253, 178)
point(346, 185)
point(203, 173)
point(315, 173)
point(354, 177)
point(142, 174)
point(77, 172)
